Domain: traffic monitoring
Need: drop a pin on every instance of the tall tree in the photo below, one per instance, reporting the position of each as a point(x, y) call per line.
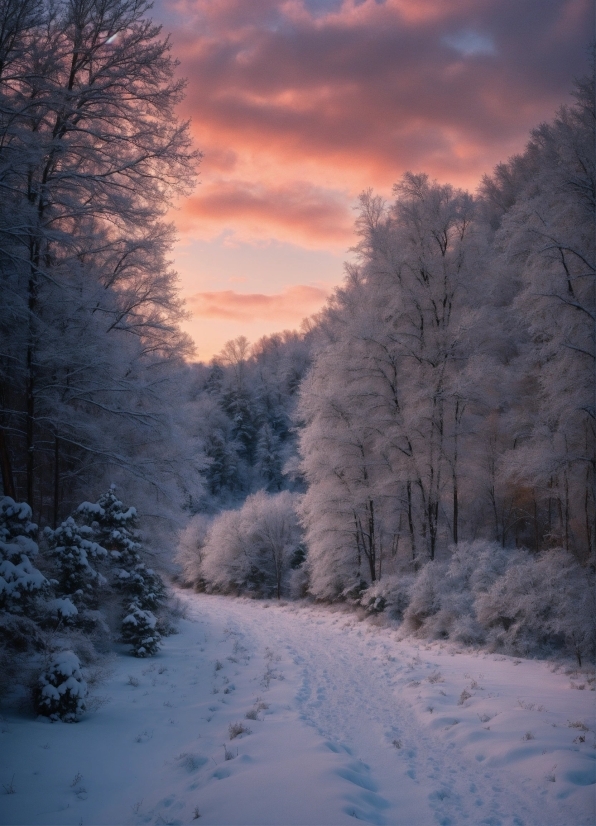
point(548, 239)
point(91, 155)
point(386, 403)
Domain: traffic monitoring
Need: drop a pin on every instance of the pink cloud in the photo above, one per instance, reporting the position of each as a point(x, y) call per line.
point(338, 96)
point(289, 306)
point(294, 209)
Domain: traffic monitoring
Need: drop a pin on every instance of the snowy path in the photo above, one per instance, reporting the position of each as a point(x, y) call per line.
point(358, 726)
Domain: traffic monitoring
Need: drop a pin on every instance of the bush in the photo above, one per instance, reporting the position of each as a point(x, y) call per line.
point(390, 595)
point(506, 598)
point(61, 690)
point(545, 603)
point(443, 596)
point(252, 549)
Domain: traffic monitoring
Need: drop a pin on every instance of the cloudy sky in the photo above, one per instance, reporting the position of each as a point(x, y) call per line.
point(299, 105)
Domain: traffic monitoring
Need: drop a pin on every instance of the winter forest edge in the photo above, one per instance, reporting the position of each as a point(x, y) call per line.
point(423, 450)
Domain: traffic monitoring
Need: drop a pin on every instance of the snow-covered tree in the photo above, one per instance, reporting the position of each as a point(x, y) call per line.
point(114, 526)
point(189, 553)
point(75, 552)
point(61, 689)
point(21, 583)
point(252, 549)
point(91, 156)
point(548, 239)
point(385, 404)
point(139, 630)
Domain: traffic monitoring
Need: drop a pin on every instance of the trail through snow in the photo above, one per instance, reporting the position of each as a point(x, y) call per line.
point(348, 723)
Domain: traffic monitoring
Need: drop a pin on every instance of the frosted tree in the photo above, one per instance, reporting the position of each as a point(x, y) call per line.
point(90, 158)
point(386, 404)
point(269, 458)
point(189, 553)
point(252, 549)
point(345, 498)
point(547, 238)
point(241, 410)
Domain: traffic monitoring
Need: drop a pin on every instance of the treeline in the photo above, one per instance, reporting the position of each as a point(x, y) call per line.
point(91, 353)
point(454, 397)
point(241, 411)
point(446, 428)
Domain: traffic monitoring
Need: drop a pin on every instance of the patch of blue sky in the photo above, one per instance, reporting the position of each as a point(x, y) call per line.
point(470, 43)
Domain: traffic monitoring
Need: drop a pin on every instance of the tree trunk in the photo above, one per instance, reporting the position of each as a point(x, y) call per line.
point(56, 481)
point(372, 541)
point(455, 510)
point(411, 522)
point(7, 477)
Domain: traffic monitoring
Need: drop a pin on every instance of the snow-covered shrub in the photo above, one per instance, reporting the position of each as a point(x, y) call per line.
point(425, 597)
point(61, 690)
point(542, 604)
point(189, 554)
point(508, 598)
point(390, 595)
point(298, 581)
point(72, 547)
point(63, 609)
point(139, 630)
point(443, 596)
point(251, 549)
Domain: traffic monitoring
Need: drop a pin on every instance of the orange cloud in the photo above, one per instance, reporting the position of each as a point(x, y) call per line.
point(289, 306)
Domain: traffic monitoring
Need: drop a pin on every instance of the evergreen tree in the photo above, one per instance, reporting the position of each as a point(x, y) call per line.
point(73, 550)
point(115, 527)
point(21, 583)
point(139, 630)
point(61, 690)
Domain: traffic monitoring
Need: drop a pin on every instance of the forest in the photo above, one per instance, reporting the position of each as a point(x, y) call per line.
point(423, 449)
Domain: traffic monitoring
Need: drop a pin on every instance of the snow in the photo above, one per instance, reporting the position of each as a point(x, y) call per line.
point(358, 725)
point(14, 579)
point(63, 606)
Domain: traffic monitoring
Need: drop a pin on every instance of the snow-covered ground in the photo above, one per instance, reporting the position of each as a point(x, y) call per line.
point(350, 723)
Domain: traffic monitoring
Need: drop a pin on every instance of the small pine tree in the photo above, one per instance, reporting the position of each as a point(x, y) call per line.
point(72, 547)
point(21, 583)
point(115, 528)
point(61, 690)
point(139, 630)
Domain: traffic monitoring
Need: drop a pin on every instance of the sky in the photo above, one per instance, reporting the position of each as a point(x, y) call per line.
point(299, 105)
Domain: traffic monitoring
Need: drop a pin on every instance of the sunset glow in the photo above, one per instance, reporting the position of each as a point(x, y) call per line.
point(298, 106)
